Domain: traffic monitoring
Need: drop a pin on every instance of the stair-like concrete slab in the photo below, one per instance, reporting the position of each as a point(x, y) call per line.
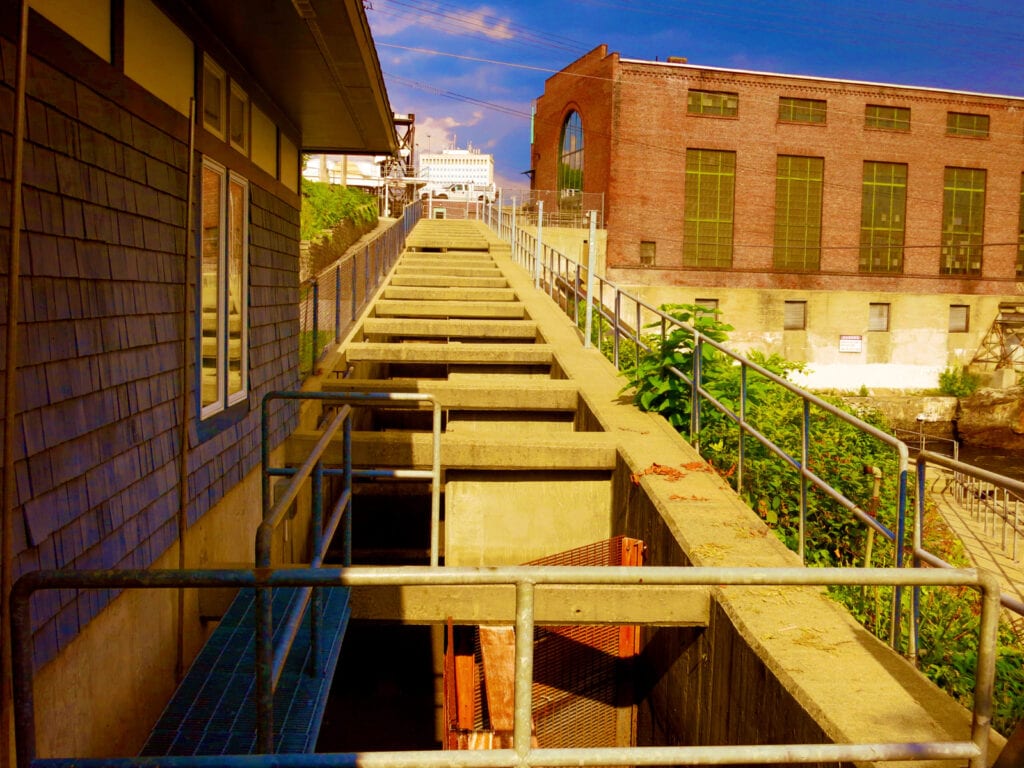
point(530, 395)
point(481, 354)
point(511, 310)
point(427, 328)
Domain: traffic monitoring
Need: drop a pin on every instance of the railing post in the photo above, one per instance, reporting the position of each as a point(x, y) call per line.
point(346, 536)
point(355, 280)
point(804, 450)
point(741, 452)
point(317, 608)
point(537, 253)
point(337, 303)
point(513, 237)
point(366, 274)
point(523, 695)
point(591, 259)
point(316, 326)
point(696, 375)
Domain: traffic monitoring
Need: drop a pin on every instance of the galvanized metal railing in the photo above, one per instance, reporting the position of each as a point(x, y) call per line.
point(974, 477)
point(272, 654)
point(331, 301)
point(525, 579)
point(576, 288)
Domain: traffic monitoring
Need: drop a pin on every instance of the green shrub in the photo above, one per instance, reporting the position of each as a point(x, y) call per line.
point(958, 382)
point(324, 206)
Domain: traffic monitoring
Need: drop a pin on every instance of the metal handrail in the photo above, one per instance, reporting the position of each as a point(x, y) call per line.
point(275, 653)
point(560, 275)
point(525, 579)
point(1000, 481)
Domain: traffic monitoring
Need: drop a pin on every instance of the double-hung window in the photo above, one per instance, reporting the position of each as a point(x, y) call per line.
point(223, 281)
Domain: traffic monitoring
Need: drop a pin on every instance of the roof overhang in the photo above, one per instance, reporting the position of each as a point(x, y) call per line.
point(316, 60)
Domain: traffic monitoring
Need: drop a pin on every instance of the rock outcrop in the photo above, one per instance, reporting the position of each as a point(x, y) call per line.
point(992, 417)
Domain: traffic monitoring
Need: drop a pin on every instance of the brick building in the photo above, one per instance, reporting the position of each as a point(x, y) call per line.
point(871, 230)
point(159, 287)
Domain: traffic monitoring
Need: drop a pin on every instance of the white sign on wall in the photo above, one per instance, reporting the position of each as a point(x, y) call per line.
point(851, 343)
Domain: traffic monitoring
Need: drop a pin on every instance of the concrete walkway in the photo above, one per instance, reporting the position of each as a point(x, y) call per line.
point(985, 548)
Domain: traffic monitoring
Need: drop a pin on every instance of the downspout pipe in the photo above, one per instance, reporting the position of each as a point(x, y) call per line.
point(179, 660)
point(9, 480)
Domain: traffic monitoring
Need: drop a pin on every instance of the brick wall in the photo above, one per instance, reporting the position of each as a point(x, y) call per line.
point(639, 114)
point(100, 361)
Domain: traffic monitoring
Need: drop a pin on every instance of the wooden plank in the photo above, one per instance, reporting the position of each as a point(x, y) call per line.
point(498, 650)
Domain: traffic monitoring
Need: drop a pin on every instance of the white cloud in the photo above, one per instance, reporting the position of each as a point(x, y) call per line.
point(389, 21)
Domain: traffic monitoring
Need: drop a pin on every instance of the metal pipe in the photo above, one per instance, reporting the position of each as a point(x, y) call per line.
point(523, 691)
point(435, 489)
point(591, 258)
point(526, 577)
point(539, 244)
point(179, 656)
point(9, 481)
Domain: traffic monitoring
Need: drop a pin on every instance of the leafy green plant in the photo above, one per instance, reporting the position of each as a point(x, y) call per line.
point(324, 206)
point(958, 382)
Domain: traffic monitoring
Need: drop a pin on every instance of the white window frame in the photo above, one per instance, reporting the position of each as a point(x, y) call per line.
point(213, 70)
point(235, 93)
point(224, 396)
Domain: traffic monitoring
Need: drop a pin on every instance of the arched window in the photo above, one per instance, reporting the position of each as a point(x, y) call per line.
point(570, 156)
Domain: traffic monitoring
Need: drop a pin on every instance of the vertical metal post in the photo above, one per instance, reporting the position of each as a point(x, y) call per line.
point(366, 275)
point(355, 280)
point(618, 325)
point(346, 536)
point(435, 490)
point(591, 259)
point(804, 450)
point(9, 493)
point(985, 671)
point(316, 603)
point(337, 304)
point(540, 244)
point(901, 535)
point(696, 375)
point(523, 706)
point(577, 281)
point(513, 235)
point(315, 352)
point(264, 670)
point(741, 453)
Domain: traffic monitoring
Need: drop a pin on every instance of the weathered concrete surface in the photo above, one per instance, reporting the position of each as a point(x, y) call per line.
point(532, 395)
point(773, 665)
point(524, 354)
point(508, 309)
point(449, 294)
point(993, 417)
point(402, 328)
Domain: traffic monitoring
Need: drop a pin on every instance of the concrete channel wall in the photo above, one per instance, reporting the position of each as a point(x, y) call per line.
point(772, 665)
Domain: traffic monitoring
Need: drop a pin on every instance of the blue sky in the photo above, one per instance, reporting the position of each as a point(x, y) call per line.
point(470, 71)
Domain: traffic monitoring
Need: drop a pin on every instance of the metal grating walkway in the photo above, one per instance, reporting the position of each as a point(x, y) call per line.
point(213, 712)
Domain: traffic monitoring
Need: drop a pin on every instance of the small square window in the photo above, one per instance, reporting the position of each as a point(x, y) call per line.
point(708, 305)
point(648, 251)
point(214, 97)
point(238, 119)
point(878, 317)
point(959, 318)
point(795, 316)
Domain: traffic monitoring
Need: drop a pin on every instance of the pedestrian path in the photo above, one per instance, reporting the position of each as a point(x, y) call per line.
point(984, 549)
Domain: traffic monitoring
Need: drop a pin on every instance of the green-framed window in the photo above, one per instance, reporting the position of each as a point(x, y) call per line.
point(965, 124)
point(963, 221)
point(570, 156)
point(798, 191)
point(718, 103)
point(793, 110)
point(882, 217)
point(1020, 236)
point(887, 118)
point(708, 208)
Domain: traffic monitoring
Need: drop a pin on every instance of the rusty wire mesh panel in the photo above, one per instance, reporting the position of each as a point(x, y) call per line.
point(582, 676)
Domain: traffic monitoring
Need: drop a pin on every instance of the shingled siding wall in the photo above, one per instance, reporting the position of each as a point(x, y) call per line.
point(100, 361)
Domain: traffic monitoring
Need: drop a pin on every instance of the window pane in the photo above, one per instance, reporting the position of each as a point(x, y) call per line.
point(214, 90)
point(959, 316)
point(648, 253)
point(878, 317)
point(236, 298)
point(798, 191)
point(708, 208)
point(1020, 246)
point(883, 210)
point(887, 118)
point(238, 119)
point(795, 316)
point(570, 159)
point(802, 110)
point(963, 221)
point(720, 103)
point(212, 287)
point(963, 124)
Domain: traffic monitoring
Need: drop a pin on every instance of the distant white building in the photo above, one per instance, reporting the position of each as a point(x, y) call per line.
point(348, 170)
point(452, 166)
